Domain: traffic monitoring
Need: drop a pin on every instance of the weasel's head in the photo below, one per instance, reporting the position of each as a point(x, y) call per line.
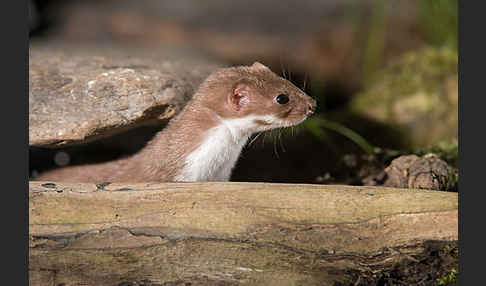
point(257, 97)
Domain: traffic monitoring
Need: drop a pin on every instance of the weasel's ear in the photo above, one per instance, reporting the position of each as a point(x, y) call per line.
point(239, 97)
point(259, 66)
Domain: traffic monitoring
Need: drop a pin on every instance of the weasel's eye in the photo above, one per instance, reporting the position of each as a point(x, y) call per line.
point(282, 99)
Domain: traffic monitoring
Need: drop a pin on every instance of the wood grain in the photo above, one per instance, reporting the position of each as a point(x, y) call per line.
point(230, 233)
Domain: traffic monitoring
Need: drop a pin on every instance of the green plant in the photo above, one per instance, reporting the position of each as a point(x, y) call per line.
point(375, 42)
point(439, 21)
point(317, 126)
point(448, 278)
point(446, 150)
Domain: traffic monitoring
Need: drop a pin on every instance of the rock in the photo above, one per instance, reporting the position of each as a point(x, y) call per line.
point(417, 94)
point(393, 169)
point(83, 93)
point(447, 150)
point(426, 172)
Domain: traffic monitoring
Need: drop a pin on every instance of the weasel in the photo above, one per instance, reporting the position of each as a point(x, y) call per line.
point(204, 141)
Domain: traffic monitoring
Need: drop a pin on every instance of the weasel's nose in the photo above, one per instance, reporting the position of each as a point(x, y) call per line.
point(311, 106)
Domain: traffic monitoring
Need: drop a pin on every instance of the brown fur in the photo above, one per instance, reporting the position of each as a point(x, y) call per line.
point(227, 93)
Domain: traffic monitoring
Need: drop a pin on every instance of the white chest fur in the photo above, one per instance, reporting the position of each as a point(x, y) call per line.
point(216, 156)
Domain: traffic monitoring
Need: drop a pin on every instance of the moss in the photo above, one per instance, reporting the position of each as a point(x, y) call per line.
point(439, 20)
point(412, 73)
point(449, 278)
point(417, 93)
point(447, 150)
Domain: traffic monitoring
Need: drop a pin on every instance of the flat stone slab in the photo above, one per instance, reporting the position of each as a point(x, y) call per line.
point(79, 94)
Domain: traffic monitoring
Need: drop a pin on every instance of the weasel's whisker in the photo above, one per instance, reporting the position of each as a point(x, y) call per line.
point(282, 67)
point(275, 147)
point(263, 139)
point(280, 141)
point(254, 138)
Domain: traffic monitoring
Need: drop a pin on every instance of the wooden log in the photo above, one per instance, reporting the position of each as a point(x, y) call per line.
point(232, 233)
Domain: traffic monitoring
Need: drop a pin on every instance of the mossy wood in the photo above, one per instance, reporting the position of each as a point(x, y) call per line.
point(231, 233)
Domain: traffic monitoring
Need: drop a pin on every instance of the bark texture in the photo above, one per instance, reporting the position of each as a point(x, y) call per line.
point(237, 234)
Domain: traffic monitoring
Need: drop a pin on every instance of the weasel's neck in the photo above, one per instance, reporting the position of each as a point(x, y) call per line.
point(198, 145)
point(217, 153)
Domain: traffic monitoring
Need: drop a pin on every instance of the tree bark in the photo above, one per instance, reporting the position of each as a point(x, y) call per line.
point(232, 233)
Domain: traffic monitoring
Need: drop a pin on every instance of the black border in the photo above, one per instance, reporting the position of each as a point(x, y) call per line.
point(15, 160)
point(14, 118)
point(470, 267)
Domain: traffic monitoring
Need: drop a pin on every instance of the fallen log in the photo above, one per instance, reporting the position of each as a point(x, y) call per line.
point(238, 233)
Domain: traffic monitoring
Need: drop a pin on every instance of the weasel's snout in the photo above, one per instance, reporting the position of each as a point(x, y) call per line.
point(311, 106)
